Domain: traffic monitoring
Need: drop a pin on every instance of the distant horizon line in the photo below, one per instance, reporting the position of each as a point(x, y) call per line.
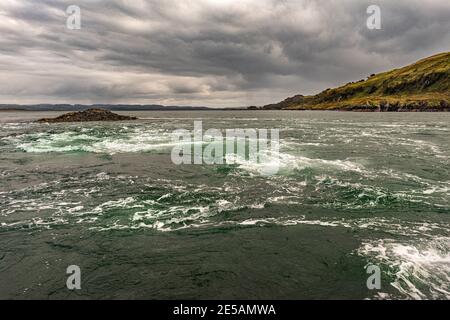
point(108, 106)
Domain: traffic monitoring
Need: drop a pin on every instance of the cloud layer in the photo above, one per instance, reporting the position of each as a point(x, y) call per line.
point(205, 52)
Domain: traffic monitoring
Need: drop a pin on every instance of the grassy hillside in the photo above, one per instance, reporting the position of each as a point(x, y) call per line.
point(422, 86)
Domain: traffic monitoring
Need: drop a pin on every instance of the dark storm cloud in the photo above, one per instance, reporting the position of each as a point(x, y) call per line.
point(206, 52)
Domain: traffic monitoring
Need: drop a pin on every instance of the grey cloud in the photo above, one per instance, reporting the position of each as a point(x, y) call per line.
point(206, 52)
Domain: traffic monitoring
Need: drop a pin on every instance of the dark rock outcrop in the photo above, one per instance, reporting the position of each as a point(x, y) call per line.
point(88, 115)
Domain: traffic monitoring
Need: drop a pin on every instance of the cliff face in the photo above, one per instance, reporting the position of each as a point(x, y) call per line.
point(88, 115)
point(422, 86)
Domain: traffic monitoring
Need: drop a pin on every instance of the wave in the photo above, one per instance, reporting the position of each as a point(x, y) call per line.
point(94, 140)
point(419, 269)
point(162, 200)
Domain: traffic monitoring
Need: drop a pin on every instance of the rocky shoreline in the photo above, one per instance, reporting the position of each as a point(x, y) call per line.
point(422, 106)
point(399, 107)
point(89, 115)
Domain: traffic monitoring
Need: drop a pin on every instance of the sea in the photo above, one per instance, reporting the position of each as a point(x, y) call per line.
point(357, 196)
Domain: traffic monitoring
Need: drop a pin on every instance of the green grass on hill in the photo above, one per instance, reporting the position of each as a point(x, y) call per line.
point(422, 85)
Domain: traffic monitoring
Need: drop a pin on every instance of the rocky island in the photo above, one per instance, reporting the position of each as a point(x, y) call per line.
point(88, 115)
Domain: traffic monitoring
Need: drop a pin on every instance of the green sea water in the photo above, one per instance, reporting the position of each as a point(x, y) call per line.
point(353, 189)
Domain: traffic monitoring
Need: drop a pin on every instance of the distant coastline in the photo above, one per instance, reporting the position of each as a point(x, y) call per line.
point(81, 107)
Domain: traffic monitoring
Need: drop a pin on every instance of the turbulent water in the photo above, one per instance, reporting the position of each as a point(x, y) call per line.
point(352, 190)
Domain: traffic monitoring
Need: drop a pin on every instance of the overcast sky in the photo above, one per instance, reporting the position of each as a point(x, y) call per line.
point(216, 53)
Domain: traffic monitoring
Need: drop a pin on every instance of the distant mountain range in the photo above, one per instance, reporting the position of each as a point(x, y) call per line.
point(422, 86)
point(111, 107)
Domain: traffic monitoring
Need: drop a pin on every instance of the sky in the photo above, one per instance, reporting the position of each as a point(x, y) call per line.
point(217, 53)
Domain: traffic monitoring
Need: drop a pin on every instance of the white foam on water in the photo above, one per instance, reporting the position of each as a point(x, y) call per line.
point(437, 189)
point(144, 139)
point(123, 203)
point(294, 200)
point(284, 163)
point(95, 140)
point(288, 222)
point(421, 269)
point(14, 125)
point(387, 226)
